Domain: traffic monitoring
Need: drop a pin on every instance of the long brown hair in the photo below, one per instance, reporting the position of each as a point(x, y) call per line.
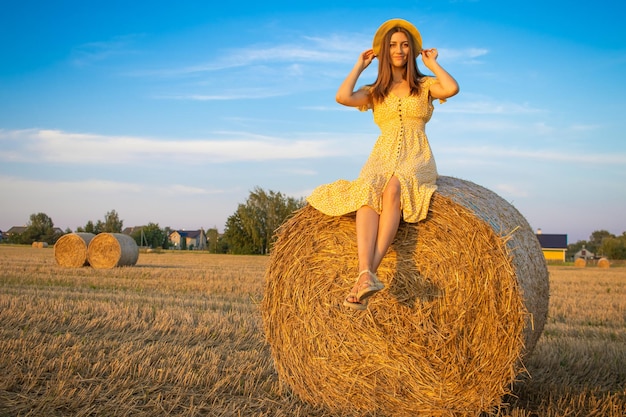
point(412, 74)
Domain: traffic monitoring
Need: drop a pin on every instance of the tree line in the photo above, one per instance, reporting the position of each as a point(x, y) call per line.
point(601, 243)
point(250, 229)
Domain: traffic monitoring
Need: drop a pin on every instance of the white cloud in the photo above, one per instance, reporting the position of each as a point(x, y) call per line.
point(539, 154)
point(333, 49)
point(73, 203)
point(467, 55)
point(511, 190)
point(54, 146)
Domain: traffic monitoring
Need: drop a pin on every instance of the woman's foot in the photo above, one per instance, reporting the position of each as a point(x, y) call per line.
point(367, 285)
point(353, 302)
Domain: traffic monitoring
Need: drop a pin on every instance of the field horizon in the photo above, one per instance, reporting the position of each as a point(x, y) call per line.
point(181, 334)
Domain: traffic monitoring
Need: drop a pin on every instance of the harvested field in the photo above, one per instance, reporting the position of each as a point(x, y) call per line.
point(181, 334)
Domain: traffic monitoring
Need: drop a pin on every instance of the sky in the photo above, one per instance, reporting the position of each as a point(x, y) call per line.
point(172, 112)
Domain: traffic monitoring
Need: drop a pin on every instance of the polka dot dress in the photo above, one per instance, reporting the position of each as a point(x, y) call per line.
point(402, 149)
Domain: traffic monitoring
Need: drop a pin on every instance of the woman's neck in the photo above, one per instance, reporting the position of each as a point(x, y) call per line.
point(398, 75)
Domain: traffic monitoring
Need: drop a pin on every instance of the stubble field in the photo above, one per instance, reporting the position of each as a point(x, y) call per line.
point(180, 334)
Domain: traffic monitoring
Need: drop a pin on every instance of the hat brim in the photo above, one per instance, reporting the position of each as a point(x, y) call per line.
point(390, 24)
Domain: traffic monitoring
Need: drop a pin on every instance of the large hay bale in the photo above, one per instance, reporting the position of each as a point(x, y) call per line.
point(604, 263)
point(580, 263)
point(71, 249)
point(108, 250)
point(466, 297)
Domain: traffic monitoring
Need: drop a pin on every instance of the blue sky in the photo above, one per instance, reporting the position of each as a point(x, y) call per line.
point(171, 112)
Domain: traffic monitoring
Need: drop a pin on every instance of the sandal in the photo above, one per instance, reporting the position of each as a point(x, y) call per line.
point(367, 289)
point(371, 286)
point(355, 305)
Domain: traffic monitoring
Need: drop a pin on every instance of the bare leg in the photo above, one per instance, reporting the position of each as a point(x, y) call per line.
point(375, 232)
point(366, 236)
point(388, 222)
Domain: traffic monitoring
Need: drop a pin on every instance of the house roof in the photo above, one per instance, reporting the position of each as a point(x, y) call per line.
point(131, 230)
point(188, 233)
point(552, 241)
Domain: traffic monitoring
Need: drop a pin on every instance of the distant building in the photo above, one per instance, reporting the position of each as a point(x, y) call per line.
point(16, 230)
point(130, 230)
point(552, 246)
point(585, 254)
point(188, 239)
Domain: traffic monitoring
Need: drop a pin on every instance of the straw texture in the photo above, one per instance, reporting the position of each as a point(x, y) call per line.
point(580, 263)
point(604, 263)
point(108, 250)
point(466, 290)
point(71, 249)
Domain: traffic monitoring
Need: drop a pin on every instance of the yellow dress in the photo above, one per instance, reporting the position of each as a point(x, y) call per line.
point(402, 149)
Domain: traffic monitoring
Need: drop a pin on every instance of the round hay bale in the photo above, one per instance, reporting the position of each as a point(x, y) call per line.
point(604, 263)
point(35, 245)
point(580, 263)
point(71, 249)
point(108, 250)
point(466, 297)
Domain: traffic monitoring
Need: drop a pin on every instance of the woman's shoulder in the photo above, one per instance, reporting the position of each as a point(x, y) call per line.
point(427, 80)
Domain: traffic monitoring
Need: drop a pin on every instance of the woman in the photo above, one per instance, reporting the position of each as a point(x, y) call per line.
point(398, 179)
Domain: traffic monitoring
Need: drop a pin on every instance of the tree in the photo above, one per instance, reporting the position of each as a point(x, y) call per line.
point(596, 238)
point(89, 228)
point(112, 223)
point(251, 228)
point(216, 243)
point(614, 247)
point(40, 228)
point(240, 240)
point(153, 235)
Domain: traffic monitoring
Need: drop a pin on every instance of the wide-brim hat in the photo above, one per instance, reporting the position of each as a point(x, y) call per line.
point(392, 23)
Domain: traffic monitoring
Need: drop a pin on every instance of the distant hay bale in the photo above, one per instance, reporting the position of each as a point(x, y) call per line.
point(71, 249)
point(604, 263)
point(466, 298)
point(580, 263)
point(108, 250)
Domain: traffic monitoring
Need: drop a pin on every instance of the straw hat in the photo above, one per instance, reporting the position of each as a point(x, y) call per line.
point(392, 23)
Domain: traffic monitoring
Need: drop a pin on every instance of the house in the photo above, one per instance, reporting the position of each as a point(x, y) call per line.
point(552, 246)
point(130, 230)
point(15, 230)
point(585, 254)
point(188, 239)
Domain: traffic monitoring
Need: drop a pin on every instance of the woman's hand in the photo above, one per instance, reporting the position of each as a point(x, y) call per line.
point(365, 59)
point(429, 57)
